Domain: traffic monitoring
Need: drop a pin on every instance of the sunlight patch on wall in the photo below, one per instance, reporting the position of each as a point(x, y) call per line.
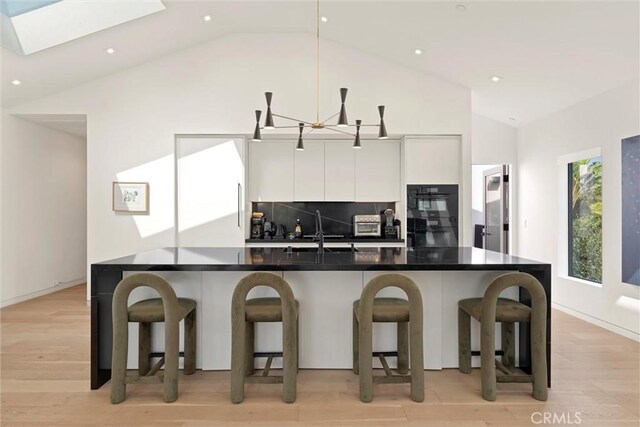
point(159, 174)
point(202, 198)
point(629, 303)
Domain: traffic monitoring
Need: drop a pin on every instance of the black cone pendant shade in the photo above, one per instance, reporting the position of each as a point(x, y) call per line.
point(256, 133)
point(300, 145)
point(342, 118)
point(268, 121)
point(356, 143)
point(382, 132)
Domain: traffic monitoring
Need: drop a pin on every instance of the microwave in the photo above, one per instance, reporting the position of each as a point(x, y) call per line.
point(367, 225)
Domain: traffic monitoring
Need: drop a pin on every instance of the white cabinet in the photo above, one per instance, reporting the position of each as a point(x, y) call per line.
point(271, 171)
point(378, 171)
point(432, 160)
point(309, 172)
point(325, 171)
point(210, 188)
point(339, 172)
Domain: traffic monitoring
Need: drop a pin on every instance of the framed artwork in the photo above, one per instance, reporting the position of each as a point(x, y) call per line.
point(631, 210)
point(131, 197)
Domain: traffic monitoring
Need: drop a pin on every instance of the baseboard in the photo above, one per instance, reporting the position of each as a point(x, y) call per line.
point(40, 293)
point(606, 325)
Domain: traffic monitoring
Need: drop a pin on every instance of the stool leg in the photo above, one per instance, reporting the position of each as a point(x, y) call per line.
point(119, 360)
point(298, 344)
point(355, 347)
point(238, 357)
point(403, 347)
point(171, 358)
point(289, 360)
point(190, 342)
point(508, 345)
point(539, 358)
point(249, 348)
point(365, 344)
point(464, 341)
point(144, 348)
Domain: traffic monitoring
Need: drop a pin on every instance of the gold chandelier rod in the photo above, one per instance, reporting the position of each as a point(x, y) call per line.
point(318, 61)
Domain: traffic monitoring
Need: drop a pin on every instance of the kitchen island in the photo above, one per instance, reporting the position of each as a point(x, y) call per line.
point(326, 284)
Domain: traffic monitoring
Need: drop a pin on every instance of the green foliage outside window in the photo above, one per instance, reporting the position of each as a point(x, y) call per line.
point(585, 219)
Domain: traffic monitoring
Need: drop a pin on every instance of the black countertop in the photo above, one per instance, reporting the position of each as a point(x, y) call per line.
point(277, 259)
point(346, 240)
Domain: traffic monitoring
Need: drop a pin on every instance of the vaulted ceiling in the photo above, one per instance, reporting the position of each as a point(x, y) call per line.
point(549, 55)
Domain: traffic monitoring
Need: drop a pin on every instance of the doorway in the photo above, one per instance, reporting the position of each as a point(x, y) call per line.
point(491, 197)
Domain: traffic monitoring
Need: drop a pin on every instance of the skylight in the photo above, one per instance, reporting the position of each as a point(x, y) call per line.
point(13, 8)
point(33, 25)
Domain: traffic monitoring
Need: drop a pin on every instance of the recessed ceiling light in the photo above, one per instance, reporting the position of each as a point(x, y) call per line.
point(207, 18)
point(417, 52)
point(461, 8)
point(324, 19)
point(496, 78)
point(110, 50)
point(16, 82)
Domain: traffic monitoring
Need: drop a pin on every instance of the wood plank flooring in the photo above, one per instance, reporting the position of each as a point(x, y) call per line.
point(45, 382)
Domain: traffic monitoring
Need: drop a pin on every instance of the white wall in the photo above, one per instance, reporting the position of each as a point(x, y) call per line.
point(598, 122)
point(493, 142)
point(43, 208)
point(214, 88)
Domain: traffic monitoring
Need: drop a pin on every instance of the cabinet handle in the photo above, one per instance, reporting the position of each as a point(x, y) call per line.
point(239, 202)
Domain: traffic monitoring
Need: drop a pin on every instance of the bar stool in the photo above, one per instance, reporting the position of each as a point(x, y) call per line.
point(492, 309)
point(244, 314)
point(168, 309)
point(408, 315)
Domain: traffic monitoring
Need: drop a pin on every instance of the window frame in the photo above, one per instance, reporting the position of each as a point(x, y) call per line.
point(570, 211)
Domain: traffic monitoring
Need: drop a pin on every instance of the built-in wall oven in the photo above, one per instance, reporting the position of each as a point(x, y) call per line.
point(432, 216)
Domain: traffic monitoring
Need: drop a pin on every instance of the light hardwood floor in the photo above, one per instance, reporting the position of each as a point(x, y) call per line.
point(45, 382)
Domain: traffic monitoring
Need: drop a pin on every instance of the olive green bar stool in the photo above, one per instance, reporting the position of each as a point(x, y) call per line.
point(490, 309)
point(408, 315)
point(244, 314)
point(168, 309)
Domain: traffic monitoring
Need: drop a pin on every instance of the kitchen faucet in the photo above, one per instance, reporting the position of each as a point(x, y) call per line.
point(319, 237)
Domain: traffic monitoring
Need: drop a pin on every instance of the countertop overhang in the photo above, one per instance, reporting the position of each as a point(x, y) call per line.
point(278, 259)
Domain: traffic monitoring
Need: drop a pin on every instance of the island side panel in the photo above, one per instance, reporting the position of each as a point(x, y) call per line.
point(215, 343)
point(326, 307)
point(385, 334)
point(186, 284)
point(103, 283)
point(542, 272)
point(458, 285)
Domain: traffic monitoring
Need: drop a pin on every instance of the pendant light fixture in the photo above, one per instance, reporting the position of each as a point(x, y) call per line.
point(342, 121)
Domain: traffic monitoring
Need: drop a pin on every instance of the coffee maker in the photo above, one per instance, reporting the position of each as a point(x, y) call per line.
point(257, 225)
point(391, 226)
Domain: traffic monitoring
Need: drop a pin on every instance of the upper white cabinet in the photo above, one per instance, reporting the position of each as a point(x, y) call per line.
point(324, 171)
point(339, 171)
point(378, 171)
point(432, 160)
point(309, 172)
point(271, 171)
point(210, 191)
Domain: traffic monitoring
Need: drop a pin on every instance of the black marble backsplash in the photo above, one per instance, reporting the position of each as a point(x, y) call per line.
point(337, 217)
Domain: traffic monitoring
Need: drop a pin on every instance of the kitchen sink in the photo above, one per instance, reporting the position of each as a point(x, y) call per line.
point(326, 250)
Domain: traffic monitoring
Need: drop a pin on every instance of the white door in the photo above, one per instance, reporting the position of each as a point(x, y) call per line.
point(496, 205)
point(210, 188)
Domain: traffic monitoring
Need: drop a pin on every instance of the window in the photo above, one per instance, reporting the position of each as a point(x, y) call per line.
point(585, 219)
